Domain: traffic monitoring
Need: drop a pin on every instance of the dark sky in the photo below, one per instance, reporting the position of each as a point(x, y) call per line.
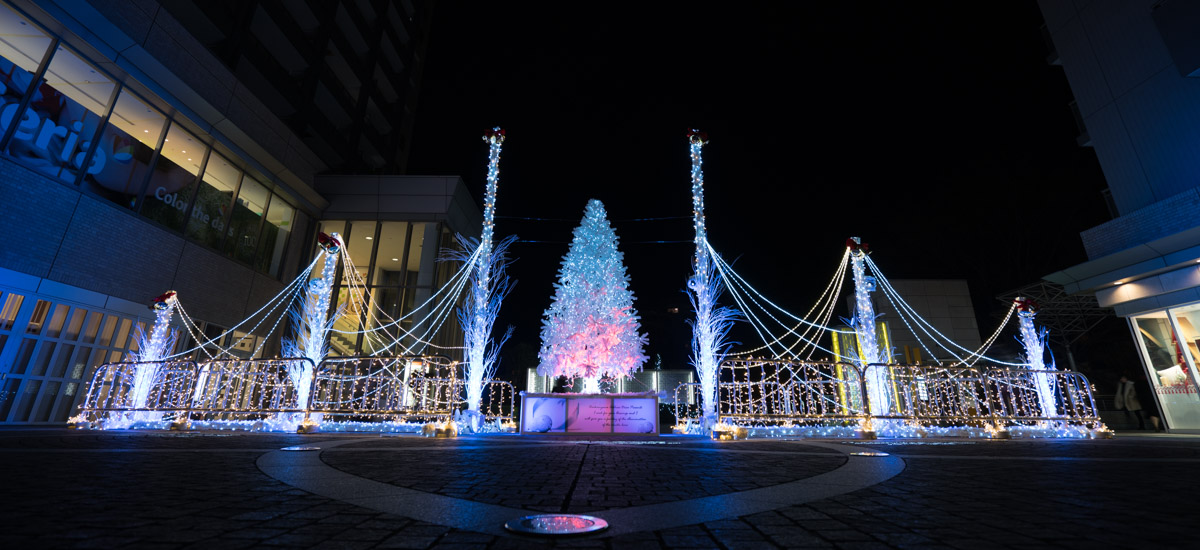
point(936, 131)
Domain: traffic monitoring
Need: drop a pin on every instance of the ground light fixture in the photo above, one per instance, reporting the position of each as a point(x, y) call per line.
point(556, 524)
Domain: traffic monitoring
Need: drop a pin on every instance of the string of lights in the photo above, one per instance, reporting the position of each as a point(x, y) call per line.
point(826, 302)
point(286, 295)
point(744, 301)
point(926, 326)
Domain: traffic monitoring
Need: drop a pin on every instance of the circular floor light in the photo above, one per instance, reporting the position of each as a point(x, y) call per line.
point(300, 448)
point(556, 524)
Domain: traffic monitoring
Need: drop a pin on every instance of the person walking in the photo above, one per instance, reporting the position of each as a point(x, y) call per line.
point(1126, 400)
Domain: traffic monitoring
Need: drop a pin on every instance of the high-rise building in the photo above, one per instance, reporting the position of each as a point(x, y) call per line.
point(1134, 69)
point(342, 75)
point(150, 146)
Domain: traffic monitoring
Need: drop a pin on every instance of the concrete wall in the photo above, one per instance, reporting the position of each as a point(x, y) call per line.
point(945, 303)
point(57, 233)
point(407, 198)
point(1142, 115)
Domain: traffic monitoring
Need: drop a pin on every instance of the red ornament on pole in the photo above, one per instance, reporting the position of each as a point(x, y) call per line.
point(330, 243)
point(855, 245)
point(163, 301)
point(1026, 305)
point(495, 134)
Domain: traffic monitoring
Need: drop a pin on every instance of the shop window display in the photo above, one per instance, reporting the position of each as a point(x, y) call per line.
point(169, 193)
point(214, 197)
point(1171, 370)
point(56, 130)
point(127, 143)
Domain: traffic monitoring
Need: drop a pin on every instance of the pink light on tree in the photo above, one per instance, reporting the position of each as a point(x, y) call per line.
point(591, 329)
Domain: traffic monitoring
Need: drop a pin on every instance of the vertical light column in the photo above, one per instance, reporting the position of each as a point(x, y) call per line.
point(864, 327)
point(152, 349)
point(706, 335)
point(1035, 352)
point(477, 335)
point(310, 322)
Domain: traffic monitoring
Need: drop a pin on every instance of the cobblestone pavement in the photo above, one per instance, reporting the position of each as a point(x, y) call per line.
point(66, 489)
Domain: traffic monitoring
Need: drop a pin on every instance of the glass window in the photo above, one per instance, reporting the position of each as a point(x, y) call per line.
point(446, 270)
point(247, 217)
point(42, 414)
point(328, 227)
point(349, 320)
point(45, 351)
point(122, 334)
point(275, 235)
point(93, 327)
point(213, 197)
point(126, 147)
point(25, 400)
point(244, 344)
point(110, 324)
point(94, 361)
point(24, 354)
point(77, 317)
point(79, 363)
point(389, 259)
point(12, 304)
point(360, 245)
point(65, 403)
point(40, 312)
point(57, 320)
point(170, 189)
point(144, 332)
point(422, 254)
point(22, 46)
point(64, 112)
point(1169, 371)
point(58, 369)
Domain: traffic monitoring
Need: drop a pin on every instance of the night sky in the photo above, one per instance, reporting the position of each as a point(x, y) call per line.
point(937, 132)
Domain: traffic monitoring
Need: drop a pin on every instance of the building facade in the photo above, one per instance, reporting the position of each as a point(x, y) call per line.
point(1134, 68)
point(138, 154)
point(944, 303)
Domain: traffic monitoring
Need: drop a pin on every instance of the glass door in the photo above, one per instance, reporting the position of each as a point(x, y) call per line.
point(1170, 368)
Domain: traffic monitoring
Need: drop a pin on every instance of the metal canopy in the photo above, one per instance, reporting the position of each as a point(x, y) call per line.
point(1068, 316)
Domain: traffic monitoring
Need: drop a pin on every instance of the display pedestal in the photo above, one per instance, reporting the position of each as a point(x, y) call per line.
point(589, 413)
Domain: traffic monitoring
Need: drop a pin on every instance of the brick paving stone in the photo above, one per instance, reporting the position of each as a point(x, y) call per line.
point(150, 490)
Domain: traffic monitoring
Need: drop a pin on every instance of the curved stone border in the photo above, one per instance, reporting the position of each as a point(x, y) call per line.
point(307, 472)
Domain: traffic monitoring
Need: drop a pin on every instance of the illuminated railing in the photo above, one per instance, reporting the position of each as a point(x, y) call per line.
point(398, 389)
point(234, 393)
point(1071, 391)
point(935, 396)
point(111, 391)
point(244, 389)
point(922, 400)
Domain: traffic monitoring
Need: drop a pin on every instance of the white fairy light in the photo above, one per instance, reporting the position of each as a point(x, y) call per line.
point(712, 324)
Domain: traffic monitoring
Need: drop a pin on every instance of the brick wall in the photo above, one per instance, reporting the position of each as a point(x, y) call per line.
point(34, 214)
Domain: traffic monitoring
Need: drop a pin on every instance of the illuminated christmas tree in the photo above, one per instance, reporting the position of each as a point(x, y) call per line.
point(591, 329)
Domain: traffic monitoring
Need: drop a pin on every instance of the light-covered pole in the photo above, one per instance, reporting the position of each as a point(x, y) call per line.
point(864, 327)
point(478, 334)
point(1035, 352)
point(151, 350)
point(712, 323)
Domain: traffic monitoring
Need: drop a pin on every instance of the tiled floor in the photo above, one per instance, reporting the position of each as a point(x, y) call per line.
point(219, 490)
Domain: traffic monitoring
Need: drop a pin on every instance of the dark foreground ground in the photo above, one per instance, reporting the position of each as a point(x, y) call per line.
point(64, 489)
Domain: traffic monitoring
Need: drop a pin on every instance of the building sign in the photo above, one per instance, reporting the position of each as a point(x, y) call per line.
point(558, 413)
